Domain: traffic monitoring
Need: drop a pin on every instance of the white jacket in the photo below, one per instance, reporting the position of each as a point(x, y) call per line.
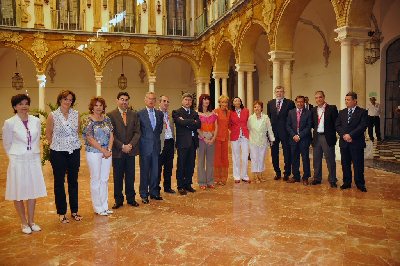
point(15, 135)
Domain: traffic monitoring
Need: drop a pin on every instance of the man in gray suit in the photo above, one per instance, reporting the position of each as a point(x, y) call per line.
point(167, 137)
point(151, 124)
point(126, 136)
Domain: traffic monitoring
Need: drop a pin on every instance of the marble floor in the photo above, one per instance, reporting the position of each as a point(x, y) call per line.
point(237, 224)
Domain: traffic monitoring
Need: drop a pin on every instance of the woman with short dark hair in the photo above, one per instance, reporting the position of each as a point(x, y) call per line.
point(62, 133)
point(21, 141)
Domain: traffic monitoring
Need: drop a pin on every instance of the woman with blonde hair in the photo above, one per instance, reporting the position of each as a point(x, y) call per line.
point(221, 161)
point(260, 137)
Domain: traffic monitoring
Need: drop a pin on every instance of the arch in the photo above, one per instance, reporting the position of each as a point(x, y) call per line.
point(287, 20)
point(181, 55)
point(25, 52)
point(251, 33)
point(128, 53)
point(222, 56)
point(70, 51)
point(205, 65)
point(359, 13)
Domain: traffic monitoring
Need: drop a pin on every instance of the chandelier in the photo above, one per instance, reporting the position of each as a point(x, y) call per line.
point(17, 82)
point(122, 80)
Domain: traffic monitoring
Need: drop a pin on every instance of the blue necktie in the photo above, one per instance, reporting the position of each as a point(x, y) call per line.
point(349, 115)
point(152, 118)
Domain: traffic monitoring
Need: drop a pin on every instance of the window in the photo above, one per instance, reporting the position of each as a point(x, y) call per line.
point(176, 17)
point(8, 13)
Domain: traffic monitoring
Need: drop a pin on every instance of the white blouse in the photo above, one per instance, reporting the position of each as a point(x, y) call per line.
point(65, 131)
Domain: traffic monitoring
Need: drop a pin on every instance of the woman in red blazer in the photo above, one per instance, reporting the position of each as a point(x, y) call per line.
point(239, 140)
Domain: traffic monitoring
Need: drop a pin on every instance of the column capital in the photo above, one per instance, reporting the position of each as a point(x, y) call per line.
point(203, 80)
point(41, 79)
point(347, 35)
point(281, 55)
point(152, 79)
point(98, 77)
point(220, 75)
point(245, 67)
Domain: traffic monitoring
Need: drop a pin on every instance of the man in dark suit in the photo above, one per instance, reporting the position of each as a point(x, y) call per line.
point(187, 122)
point(307, 105)
point(125, 148)
point(151, 124)
point(277, 110)
point(324, 139)
point(351, 125)
point(167, 137)
point(299, 128)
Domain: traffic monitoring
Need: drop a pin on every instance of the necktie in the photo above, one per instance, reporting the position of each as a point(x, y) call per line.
point(188, 110)
point(278, 105)
point(124, 117)
point(298, 120)
point(350, 112)
point(152, 118)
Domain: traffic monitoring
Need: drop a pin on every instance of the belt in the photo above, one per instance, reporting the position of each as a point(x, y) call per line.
point(321, 133)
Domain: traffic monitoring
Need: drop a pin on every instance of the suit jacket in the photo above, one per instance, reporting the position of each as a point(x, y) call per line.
point(128, 134)
point(171, 125)
point(304, 129)
point(15, 139)
point(149, 138)
point(278, 120)
point(356, 128)
point(236, 122)
point(184, 128)
point(330, 116)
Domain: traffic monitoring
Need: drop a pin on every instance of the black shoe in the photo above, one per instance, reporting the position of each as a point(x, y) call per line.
point(182, 191)
point(133, 204)
point(277, 177)
point(145, 200)
point(315, 182)
point(169, 190)
point(156, 197)
point(286, 178)
point(117, 205)
point(345, 186)
point(333, 185)
point(362, 189)
point(190, 189)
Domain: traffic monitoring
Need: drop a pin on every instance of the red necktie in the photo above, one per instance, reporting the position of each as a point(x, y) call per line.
point(278, 105)
point(298, 120)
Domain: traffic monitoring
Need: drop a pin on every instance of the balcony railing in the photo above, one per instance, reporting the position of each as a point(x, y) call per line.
point(122, 23)
point(67, 20)
point(201, 23)
point(8, 22)
point(176, 27)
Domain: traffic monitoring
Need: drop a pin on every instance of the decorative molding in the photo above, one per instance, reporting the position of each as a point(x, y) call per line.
point(69, 41)
point(177, 46)
point(341, 8)
point(14, 37)
point(268, 12)
point(326, 51)
point(211, 45)
point(98, 46)
point(125, 43)
point(152, 50)
point(233, 30)
point(196, 51)
point(39, 46)
point(249, 14)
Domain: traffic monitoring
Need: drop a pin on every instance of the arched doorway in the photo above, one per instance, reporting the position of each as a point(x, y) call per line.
point(392, 91)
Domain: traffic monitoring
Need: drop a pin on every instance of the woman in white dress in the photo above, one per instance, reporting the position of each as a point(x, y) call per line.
point(261, 136)
point(21, 141)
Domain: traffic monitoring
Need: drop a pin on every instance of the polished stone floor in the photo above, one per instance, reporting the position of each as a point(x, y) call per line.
point(256, 224)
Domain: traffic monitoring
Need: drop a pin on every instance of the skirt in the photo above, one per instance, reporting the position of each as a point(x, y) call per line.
point(25, 177)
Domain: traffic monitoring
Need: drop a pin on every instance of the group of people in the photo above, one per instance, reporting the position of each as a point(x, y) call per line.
point(115, 138)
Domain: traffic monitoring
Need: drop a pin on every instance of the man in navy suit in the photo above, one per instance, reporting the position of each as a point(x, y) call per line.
point(151, 125)
point(187, 122)
point(299, 128)
point(277, 110)
point(351, 125)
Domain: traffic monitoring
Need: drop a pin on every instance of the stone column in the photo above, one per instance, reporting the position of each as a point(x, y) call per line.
point(98, 78)
point(250, 91)
point(41, 79)
point(217, 89)
point(241, 94)
point(359, 75)
point(207, 87)
point(152, 16)
point(282, 59)
point(199, 88)
point(152, 81)
point(241, 69)
point(347, 36)
point(225, 86)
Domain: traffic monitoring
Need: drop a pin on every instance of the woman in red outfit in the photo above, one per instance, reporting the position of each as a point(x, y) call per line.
point(221, 161)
